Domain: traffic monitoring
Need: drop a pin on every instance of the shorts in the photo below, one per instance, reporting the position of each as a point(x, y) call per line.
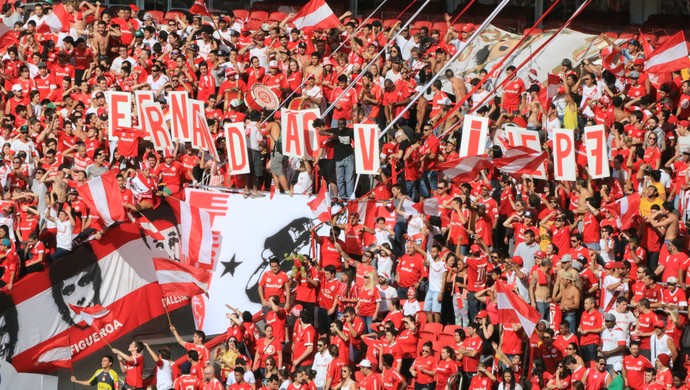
point(277, 164)
point(431, 303)
point(327, 168)
point(257, 163)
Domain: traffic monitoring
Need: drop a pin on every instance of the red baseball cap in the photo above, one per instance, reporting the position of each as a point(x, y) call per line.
point(517, 260)
point(482, 314)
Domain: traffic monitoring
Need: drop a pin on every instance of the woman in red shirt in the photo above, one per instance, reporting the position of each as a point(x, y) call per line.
point(268, 346)
point(445, 367)
point(369, 300)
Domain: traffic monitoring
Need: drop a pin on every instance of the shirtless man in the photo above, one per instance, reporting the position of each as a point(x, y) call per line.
point(313, 66)
point(100, 39)
point(540, 288)
point(569, 298)
point(666, 222)
point(458, 84)
point(584, 191)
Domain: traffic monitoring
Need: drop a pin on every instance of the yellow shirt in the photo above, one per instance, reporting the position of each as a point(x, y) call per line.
point(646, 205)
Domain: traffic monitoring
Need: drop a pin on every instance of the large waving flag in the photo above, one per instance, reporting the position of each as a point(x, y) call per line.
point(196, 237)
point(464, 168)
point(7, 36)
point(512, 309)
point(58, 20)
point(627, 209)
point(199, 8)
point(520, 160)
point(57, 353)
point(177, 279)
point(321, 204)
point(670, 56)
point(102, 194)
point(315, 14)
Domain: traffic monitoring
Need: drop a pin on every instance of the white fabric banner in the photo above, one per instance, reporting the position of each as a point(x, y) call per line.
point(366, 149)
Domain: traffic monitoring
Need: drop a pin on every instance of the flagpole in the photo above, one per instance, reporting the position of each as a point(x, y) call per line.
point(304, 80)
point(455, 56)
point(165, 306)
point(455, 19)
point(371, 62)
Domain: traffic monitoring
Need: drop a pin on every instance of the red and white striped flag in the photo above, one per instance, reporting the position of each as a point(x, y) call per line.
point(612, 60)
point(56, 21)
point(627, 209)
point(7, 36)
point(197, 237)
point(428, 206)
point(464, 168)
point(177, 279)
point(92, 313)
point(57, 352)
point(520, 160)
point(670, 56)
point(147, 226)
point(321, 204)
point(512, 309)
point(315, 13)
point(102, 194)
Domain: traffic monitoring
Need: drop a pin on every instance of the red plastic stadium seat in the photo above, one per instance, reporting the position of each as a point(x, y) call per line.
point(432, 327)
point(450, 329)
point(446, 340)
point(440, 26)
point(241, 14)
point(170, 15)
point(254, 24)
point(157, 16)
point(612, 35)
point(389, 22)
point(277, 16)
point(259, 15)
point(626, 36)
point(422, 23)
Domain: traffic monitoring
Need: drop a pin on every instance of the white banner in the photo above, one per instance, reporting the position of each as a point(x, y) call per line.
point(180, 115)
point(278, 227)
point(311, 138)
point(196, 134)
point(154, 125)
point(475, 130)
point(597, 151)
point(564, 167)
point(518, 136)
point(141, 97)
point(119, 111)
point(366, 149)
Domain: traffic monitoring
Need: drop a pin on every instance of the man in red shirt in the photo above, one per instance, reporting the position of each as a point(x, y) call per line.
point(328, 252)
point(409, 270)
point(240, 383)
point(303, 339)
point(591, 326)
point(645, 326)
point(171, 173)
point(132, 365)
point(186, 381)
point(512, 92)
point(197, 344)
point(471, 348)
point(477, 265)
point(274, 282)
point(210, 381)
point(370, 380)
point(634, 366)
point(484, 379)
point(329, 287)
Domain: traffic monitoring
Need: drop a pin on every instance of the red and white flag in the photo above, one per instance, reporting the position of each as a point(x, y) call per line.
point(177, 279)
point(7, 36)
point(512, 309)
point(427, 206)
point(612, 60)
point(57, 352)
point(147, 226)
point(196, 236)
point(92, 313)
point(627, 209)
point(321, 204)
point(464, 168)
point(57, 21)
point(102, 194)
point(520, 160)
point(671, 56)
point(315, 13)
point(199, 8)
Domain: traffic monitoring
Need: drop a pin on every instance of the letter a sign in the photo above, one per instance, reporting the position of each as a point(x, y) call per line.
point(292, 133)
point(366, 149)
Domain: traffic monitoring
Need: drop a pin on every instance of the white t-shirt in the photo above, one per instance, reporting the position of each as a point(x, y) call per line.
point(248, 377)
point(64, 234)
point(387, 295)
point(164, 375)
point(384, 264)
point(612, 295)
point(320, 365)
point(624, 321)
point(411, 307)
point(436, 270)
point(610, 340)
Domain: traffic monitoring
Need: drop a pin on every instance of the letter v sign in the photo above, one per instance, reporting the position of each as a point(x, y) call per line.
point(366, 146)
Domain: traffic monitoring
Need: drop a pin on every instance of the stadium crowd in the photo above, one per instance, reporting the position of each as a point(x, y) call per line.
point(403, 300)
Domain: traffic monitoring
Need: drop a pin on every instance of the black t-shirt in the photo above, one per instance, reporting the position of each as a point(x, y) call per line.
point(343, 143)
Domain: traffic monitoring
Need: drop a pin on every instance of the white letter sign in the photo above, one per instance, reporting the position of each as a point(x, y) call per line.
point(236, 144)
point(597, 153)
point(197, 132)
point(141, 97)
point(207, 137)
point(180, 116)
point(154, 125)
point(119, 112)
point(311, 138)
point(474, 132)
point(292, 133)
point(367, 149)
point(564, 167)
